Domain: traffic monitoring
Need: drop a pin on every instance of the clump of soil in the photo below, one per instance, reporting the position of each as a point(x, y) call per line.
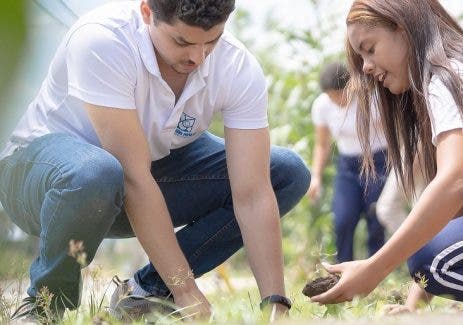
point(320, 285)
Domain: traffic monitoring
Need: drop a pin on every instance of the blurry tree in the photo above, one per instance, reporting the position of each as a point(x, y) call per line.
point(12, 39)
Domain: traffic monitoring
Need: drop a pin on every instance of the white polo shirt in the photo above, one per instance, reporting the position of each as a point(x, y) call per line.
point(107, 59)
point(342, 123)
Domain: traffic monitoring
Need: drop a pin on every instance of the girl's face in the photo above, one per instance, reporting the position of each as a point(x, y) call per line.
point(384, 52)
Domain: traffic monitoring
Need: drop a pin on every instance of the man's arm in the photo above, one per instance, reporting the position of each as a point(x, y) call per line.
point(121, 134)
point(255, 206)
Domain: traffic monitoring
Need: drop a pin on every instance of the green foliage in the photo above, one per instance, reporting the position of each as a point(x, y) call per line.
point(307, 229)
point(14, 255)
point(12, 39)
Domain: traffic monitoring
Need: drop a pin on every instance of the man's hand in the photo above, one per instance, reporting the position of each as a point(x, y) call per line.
point(193, 304)
point(358, 278)
point(275, 312)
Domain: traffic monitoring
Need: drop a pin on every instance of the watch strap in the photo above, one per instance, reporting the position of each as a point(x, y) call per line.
point(275, 299)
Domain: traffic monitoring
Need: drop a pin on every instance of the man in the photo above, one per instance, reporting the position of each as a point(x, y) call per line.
point(115, 145)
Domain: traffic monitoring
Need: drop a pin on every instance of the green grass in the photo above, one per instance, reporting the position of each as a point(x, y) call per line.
point(242, 306)
point(307, 240)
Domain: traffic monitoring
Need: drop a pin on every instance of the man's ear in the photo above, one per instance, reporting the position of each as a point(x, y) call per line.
point(146, 12)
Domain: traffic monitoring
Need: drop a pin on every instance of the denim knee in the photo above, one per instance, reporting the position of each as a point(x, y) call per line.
point(292, 168)
point(439, 270)
point(97, 184)
point(420, 262)
point(290, 177)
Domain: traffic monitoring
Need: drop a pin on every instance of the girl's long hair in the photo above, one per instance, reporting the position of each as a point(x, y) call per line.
point(434, 39)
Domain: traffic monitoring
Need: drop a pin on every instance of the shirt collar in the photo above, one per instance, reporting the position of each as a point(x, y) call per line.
point(146, 49)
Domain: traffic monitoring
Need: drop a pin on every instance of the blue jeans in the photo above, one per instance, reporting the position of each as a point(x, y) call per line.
point(354, 196)
point(440, 262)
point(61, 189)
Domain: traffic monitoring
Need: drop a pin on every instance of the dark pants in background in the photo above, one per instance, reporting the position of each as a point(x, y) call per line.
point(355, 196)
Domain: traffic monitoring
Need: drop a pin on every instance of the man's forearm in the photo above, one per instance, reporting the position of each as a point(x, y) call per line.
point(151, 222)
point(259, 222)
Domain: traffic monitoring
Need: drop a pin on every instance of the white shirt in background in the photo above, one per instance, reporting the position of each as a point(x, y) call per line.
point(341, 121)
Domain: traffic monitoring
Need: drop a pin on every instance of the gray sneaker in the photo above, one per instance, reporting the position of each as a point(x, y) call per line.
point(124, 305)
point(33, 310)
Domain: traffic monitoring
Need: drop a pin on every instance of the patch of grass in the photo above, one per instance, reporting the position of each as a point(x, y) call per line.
point(307, 241)
point(15, 258)
point(242, 306)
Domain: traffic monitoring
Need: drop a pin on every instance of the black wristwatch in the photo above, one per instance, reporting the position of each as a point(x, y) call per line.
point(275, 299)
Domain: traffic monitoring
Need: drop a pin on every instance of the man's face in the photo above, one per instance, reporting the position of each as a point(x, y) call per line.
point(180, 46)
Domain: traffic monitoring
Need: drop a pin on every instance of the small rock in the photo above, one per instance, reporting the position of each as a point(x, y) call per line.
point(320, 285)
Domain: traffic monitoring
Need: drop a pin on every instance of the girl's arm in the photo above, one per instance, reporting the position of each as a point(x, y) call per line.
point(440, 202)
point(321, 151)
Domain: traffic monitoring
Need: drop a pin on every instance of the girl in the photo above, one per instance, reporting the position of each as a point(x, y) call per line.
point(407, 56)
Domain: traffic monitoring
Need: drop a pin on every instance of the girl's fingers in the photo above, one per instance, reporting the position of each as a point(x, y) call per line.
point(335, 268)
point(329, 297)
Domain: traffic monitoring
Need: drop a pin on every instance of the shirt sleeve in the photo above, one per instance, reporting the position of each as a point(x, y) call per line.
point(101, 68)
point(246, 103)
point(443, 111)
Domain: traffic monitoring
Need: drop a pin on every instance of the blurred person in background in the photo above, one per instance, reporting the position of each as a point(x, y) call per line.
point(335, 119)
point(394, 204)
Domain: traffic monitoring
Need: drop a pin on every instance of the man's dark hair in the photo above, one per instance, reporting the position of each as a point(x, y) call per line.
point(334, 76)
point(201, 13)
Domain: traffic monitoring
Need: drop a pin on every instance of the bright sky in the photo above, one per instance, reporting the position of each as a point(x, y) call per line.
point(300, 14)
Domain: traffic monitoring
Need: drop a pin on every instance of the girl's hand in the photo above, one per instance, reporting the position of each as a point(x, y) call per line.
point(396, 309)
point(358, 278)
point(315, 190)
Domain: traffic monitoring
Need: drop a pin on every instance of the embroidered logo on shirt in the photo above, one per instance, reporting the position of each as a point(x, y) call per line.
point(185, 126)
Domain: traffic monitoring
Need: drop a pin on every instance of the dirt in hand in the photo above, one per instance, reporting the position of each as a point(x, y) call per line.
point(320, 285)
